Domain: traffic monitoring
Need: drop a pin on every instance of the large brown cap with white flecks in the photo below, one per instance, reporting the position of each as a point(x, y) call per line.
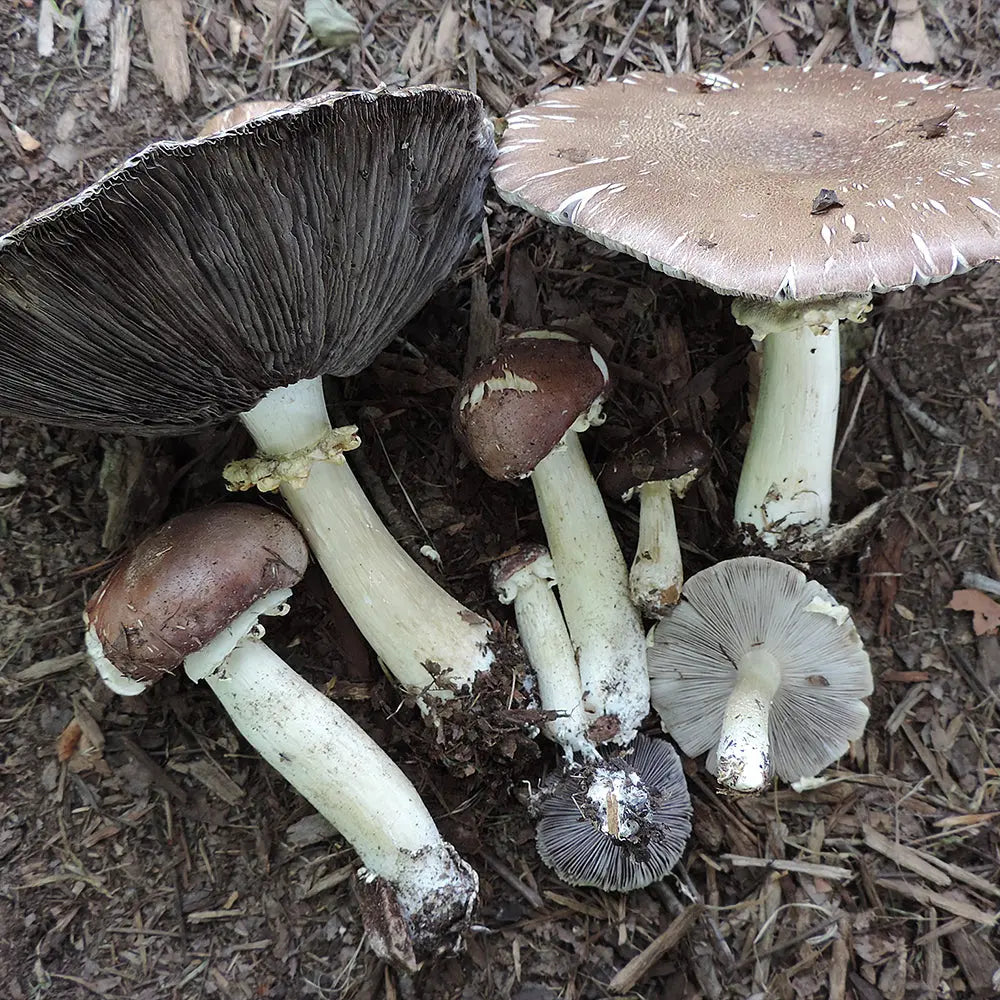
point(662, 455)
point(776, 183)
point(514, 408)
point(191, 280)
point(188, 580)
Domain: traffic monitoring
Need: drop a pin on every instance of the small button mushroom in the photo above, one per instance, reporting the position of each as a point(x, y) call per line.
point(659, 466)
point(617, 824)
point(191, 594)
point(525, 578)
point(763, 669)
point(519, 414)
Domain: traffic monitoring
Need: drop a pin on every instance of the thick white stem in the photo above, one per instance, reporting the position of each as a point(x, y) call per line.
point(744, 751)
point(334, 764)
point(786, 479)
point(413, 625)
point(657, 572)
point(593, 588)
point(550, 652)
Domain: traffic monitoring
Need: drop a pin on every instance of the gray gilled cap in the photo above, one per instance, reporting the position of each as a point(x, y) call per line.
point(617, 824)
point(197, 276)
point(769, 182)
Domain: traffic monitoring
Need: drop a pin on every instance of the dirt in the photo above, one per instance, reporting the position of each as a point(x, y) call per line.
point(145, 851)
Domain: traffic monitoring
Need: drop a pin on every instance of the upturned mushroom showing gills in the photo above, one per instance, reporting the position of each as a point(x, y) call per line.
point(618, 824)
point(191, 594)
point(519, 414)
point(763, 669)
point(659, 466)
point(223, 276)
point(799, 190)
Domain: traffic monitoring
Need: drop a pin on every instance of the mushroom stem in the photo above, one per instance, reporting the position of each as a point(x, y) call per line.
point(744, 751)
point(347, 777)
point(550, 652)
point(657, 573)
point(787, 475)
point(425, 638)
point(593, 588)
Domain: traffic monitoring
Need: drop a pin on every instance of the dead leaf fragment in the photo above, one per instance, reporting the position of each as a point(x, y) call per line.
point(985, 611)
point(166, 36)
point(25, 139)
point(909, 33)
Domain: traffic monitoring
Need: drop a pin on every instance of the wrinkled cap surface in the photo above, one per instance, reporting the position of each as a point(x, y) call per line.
point(514, 408)
point(752, 602)
point(776, 183)
point(188, 580)
point(197, 276)
point(652, 819)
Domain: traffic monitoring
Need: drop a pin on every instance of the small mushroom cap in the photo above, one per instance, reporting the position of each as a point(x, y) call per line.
point(511, 571)
point(516, 406)
point(769, 182)
point(240, 114)
point(752, 602)
point(662, 455)
point(645, 833)
point(197, 276)
point(188, 580)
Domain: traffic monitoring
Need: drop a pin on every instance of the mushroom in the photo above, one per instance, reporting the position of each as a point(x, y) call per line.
point(659, 466)
point(191, 594)
point(519, 414)
point(762, 668)
point(806, 189)
point(525, 577)
point(224, 276)
point(618, 824)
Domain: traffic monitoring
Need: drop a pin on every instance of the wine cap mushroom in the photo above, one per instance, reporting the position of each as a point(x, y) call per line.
point(617, 824)
point(763, 669)
point(769, 182)
point(197, 276)
point(515, 408)
point(166, 601)
point(675, 457)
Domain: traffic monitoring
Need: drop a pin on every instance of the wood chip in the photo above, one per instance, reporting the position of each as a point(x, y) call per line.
point(47, 668)
point(959, 906)
point(166, 36)
point(639, 967)
point(784, 865)
point(905, 857)
point(212, 777)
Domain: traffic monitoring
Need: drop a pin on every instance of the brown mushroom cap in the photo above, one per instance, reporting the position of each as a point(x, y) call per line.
point(777, 183)
point(188, 580)
point(516, 406)
point(509, 565)
point(662, 455)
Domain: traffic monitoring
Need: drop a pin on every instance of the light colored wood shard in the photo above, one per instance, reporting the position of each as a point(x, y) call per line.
point(166, 36)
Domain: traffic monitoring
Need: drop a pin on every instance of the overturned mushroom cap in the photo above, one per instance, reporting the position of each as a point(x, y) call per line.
point(197, 276)
point(662, 455)
point(771, 182)
point(618, 824)
point(184, 583)
point(514, 408)
point(821, 670)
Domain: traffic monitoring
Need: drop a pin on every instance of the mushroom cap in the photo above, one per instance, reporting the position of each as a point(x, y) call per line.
point(662, 455)
point(769, 182)
point(522, 565)
point(653, 819)
point(515, 407)
point(197, 276)
point(184, 583)
point(240, 114)
point(739, 604)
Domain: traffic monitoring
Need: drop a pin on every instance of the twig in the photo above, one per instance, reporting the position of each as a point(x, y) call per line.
point(627, 40)
point(638, 967)
point(783, 865)
point(977, 581)
point(933, 427)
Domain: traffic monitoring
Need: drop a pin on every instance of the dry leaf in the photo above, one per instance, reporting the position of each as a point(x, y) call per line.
point(69, 740)
point(909, 33)
point(985, 611)
point(25, 139)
